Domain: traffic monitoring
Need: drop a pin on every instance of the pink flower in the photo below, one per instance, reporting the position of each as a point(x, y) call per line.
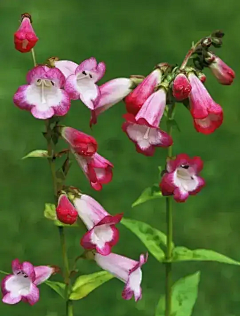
point(81, 143)
point(102, 234)
point(82, 84)
point(207, 114)
point(135, 100)
point(111, 93)
point(223, 73)
point(181, 87)
point(66, 213)
point(127, 270)
point(22, 284)
point(181, 178)
point(96, 168)
point(67, 67)
point(25, 38)
point(143, 129)
point(43, 96)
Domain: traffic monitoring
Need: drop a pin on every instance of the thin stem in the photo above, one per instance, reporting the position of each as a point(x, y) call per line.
point(169, 223)
point(34, 57)
point(189, 54)
point(51, 153)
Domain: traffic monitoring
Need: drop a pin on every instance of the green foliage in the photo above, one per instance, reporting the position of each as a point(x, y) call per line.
point(149, 193)
point(185, 254)
point(85, 284)
point(151, 237)
point(37, 154)
point(58, 287)
point(184, 295)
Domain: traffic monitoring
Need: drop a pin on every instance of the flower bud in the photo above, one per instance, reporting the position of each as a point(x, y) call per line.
point(25, 38)
point(66, 213)
point(181, 87)
point(222, 72)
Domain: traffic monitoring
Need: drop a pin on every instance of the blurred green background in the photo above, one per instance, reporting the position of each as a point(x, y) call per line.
point(131, 37)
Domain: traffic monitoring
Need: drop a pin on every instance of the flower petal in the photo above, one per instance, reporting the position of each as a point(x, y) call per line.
point(16, 266)
point(28, 268)
point(67, 67)
point(8, 299)
point(42, 274)
point(33, 297)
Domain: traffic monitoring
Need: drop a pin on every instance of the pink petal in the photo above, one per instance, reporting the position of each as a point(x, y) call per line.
point(16, 266)
point(67, 67)
point(33, 297)
point(42, 274)
point(71, 87)
point(8, 299)
point(28, 268)
point(180, 195)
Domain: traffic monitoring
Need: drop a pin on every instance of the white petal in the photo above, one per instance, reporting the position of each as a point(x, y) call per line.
point(101, 235)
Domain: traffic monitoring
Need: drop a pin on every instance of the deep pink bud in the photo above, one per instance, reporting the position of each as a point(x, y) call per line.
point(202, 77)
point(66, 212)
point(222, 72)
point(134, 101)
point(207, 114)
point(181, 178)
point(181, 87)
point(80, 142)
point(25, 38)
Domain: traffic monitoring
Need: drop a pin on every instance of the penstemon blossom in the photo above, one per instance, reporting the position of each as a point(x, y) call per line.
point(149, 101)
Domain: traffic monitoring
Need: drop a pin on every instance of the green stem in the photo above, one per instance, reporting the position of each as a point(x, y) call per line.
point(51, 153)
point(169, 223)
point(34, 57)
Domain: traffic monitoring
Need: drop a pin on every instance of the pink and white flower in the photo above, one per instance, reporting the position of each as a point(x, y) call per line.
point(207, 114)
point(22, 284)
point(81, 143)
point(102, 234)
point(111, 93)
point(125, 269)
point(67, 67)
point(181, 87)
point(43, 96)
point(25, 38)
point(66, 213)
point(222, 72)
point(135, 100)
point(82, 84)
point(96, 168)
point(144, 129)
point(181, 178)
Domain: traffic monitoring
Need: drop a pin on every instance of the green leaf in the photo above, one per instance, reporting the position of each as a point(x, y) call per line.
point(150, 237)
point(184, 295)
point(185, 254)
point(149, 194)
point(57, 287)
point(50, 211)
point(85, 284)
point(3, 272)
point(37, 154)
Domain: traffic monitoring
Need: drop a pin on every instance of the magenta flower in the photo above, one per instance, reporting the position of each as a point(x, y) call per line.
point(82, 84)
point(97, 169)
point(143, 129)
point(66, 213)
point(127, 270)
point(102, 234)
point(67, 67)
point(181, 87)
point(43, 96)
point(223, 73)
point(25, 38)
point(80, 143)
point(135, 100)
point(22, 284)
point(207, 114)
point(111, 93)
point(181, 178)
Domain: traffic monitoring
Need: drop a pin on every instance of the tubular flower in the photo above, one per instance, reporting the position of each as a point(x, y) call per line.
point(102, 234)
point(67, 67)
point(181, 178)
point(22, 284)
point(221, 71)
point(143, 129)
point(127, 270)
point(181, 87)
point(207, 114)
point(96, 168)
point(81, 143)
point(82, 84)
point(43, 96)
point(25, 38)
point(66, 213)
point(135, 100)
point(111, 93)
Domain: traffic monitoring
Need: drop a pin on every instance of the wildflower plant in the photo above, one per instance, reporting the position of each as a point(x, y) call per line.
point(47, 94)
